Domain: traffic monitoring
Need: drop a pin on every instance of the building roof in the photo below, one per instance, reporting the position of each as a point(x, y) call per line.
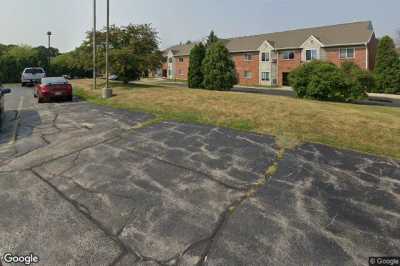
point(334, 35)
point(180, 49)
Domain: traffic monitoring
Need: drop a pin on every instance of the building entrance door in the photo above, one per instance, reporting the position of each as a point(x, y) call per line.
point(285, 79)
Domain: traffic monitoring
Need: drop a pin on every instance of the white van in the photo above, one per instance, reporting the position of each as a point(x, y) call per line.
point(32, 75)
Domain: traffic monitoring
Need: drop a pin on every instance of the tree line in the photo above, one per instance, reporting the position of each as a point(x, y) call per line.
point(15, 58)
point(134, 51)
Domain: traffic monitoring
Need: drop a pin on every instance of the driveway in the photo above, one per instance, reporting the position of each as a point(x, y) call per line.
point(90, 185)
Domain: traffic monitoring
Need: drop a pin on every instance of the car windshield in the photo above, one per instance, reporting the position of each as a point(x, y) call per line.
point(34, 71)
point(58, 80)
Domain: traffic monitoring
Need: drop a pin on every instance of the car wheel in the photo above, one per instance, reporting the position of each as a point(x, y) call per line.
point(40, 99)
point(22, 84)
point(69, 99)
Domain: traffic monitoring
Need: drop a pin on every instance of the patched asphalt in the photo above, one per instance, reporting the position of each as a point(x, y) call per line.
point(91, 185)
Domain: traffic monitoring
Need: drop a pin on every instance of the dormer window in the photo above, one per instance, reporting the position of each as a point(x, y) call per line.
point(180, 59)
point(170, 60)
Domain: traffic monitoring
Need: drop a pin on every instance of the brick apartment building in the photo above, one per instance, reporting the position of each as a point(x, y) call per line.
point(267, 59)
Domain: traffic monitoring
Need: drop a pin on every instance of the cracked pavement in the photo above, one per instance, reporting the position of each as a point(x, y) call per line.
point(91, 185)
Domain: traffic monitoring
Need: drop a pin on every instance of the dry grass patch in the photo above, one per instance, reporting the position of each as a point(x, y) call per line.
point(369, 129)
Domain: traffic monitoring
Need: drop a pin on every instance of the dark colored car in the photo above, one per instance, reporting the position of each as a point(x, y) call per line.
point(3, 91)
point(53, 88)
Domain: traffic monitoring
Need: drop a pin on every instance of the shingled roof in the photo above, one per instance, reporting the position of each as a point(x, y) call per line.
point(341, 34)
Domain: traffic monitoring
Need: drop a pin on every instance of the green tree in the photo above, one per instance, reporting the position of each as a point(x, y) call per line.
point(42, 56)
point(14, 60)
point(218, 68)
point(197, 55)
point(363, 81)
point(324, 81)
point(3, 49)
point(387, 69)
point(212, 38)
point(126, 64)
point(135, 52)
point(70, 64)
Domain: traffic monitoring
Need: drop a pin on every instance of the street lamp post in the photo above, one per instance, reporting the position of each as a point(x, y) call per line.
point(48, 51)
point(107, 91)
point(94, 45)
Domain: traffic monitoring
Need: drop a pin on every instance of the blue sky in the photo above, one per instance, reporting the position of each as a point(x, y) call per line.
point(26, 21)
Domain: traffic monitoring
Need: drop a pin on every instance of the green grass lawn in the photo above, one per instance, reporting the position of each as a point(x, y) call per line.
point(368, 129)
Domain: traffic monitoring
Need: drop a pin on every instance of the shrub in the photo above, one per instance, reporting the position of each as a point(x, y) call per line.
point(363, 80)
point(387, 69)
point(324, 81)
point(197, 55)
point(218, 68)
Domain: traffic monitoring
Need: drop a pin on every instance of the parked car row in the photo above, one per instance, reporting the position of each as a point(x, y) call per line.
point(46, 88)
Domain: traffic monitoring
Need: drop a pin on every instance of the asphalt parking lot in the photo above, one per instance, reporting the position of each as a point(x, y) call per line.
point(88, 185)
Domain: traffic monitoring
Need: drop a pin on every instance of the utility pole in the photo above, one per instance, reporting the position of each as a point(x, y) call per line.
point(107, 91)
point(48, 51)
point(94, 46)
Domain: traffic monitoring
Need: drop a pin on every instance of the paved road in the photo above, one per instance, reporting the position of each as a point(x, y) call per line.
point(89, 185)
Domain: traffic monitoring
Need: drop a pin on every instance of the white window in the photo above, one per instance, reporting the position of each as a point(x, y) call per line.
point(248, 75)
point(288, 55)
point(180, 72)
point(247, 57)
point(265, 57)
point(180, 59)
point(170, 60)
point(347, 53)
point(265, 76)
point(311, 54)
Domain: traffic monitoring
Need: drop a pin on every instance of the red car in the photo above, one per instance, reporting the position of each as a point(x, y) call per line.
point(53, 88)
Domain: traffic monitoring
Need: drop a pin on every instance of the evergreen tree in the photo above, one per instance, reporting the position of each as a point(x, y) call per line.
point(387, 67)
point(197, 55)
point(212, 38)
point(218, 68)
